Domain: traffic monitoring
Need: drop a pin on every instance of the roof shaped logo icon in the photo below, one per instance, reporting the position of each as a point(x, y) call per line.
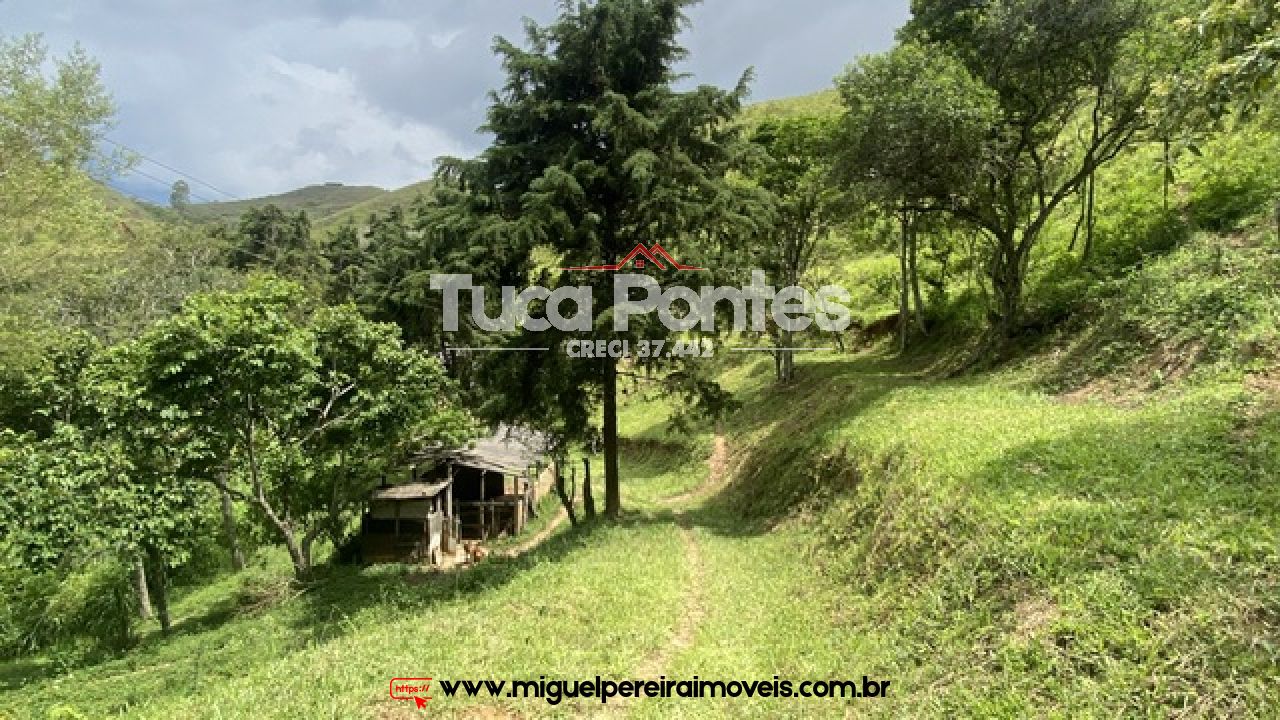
point(641, 257)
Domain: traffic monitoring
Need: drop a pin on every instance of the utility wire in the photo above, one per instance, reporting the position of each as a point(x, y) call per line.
point(172, 169)
point(165, 183)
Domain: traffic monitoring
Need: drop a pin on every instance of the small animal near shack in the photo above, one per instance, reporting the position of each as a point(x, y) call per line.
point(456, 499)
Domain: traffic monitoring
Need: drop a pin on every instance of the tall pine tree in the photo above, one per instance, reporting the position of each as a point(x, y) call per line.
point(594, 152)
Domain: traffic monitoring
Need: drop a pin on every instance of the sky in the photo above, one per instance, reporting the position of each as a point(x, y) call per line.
point(264, 97)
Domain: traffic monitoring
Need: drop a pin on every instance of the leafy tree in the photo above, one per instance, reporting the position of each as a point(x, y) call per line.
point(1245, 35)
point(79, 484)
point(55, 230)
point(913, 137)
point(49, 131)
point(595, 152)
point(180, 196)
point(395, 285)
point(795, 167)
point(271, 239)
point(1049, 63)
point(345, 259)
point(36, 398)
point(311, 407)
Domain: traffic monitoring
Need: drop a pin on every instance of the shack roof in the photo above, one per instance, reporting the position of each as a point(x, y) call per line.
point(508, 450)
point(411, 491)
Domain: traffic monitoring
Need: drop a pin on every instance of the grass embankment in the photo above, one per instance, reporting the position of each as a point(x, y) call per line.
point(988, 546)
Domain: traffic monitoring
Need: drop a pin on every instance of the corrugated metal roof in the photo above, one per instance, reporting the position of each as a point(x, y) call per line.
point(509, 450)
point(411, 491)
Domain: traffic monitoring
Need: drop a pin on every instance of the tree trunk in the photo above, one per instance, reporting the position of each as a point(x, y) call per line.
point(915, 281)
point(588, 497)
point(1168, 173)
point(904, 297)
point(229, 525)
point(140, 590)
point(789, 356)
point(308, 544)
point(301, 564)
point(1090, 218)
point(300, 559)
point(1006, 284)
point(158, 587)
point(612, 484)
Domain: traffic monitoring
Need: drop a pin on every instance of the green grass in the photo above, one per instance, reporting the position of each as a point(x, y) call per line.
point(825, 102)
point(1013, 554)
point(358, 214)
point(989, 547)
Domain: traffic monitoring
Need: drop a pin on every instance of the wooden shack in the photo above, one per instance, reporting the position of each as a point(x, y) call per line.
point(408, 523)
point(494, 482)
point(479, 492)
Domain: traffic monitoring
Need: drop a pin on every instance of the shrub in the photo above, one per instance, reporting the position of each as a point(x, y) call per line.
point(82, 612)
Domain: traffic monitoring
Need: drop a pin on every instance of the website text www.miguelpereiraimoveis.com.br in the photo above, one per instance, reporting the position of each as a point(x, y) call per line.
point(554, 691)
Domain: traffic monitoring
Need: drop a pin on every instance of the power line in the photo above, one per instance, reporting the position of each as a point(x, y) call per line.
point(165, 183)
point(172, 169)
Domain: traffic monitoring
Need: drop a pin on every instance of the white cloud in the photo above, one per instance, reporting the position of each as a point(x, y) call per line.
point(265, 97)
point(443, 40)
point(298, 124)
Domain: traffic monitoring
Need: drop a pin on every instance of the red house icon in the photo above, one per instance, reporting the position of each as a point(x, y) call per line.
point(637, 258)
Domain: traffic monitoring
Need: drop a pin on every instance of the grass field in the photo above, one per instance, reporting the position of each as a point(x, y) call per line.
point(990, 549)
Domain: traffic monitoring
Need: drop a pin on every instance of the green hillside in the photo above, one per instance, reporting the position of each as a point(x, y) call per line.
point(125, 205)
point(989, 546)
point(359, 213)
point(819, 103)
point(320, 201)
point(1019, 456)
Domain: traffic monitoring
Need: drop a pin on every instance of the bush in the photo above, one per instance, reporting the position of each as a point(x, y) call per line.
point(1208, 303)
point(83, 612)
point(1236, 177)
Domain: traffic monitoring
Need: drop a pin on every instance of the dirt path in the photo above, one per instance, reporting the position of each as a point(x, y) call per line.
point(693, 602)
point(536, 540)
point(717, 474)
point(694, 609)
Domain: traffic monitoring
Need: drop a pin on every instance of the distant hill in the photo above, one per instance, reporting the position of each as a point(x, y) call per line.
point(320, 201)
point(360, 212)
point(331, 206)
point(128, 207)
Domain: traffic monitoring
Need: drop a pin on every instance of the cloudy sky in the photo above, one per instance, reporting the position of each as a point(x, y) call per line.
point(263, 97)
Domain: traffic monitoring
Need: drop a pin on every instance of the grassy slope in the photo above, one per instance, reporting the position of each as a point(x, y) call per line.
point(360, 212)
point(990, 549)
point(320, 201)
point(819, 103)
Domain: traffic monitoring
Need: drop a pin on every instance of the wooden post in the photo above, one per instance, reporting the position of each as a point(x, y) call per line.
point(449, 532)
point(588, 499)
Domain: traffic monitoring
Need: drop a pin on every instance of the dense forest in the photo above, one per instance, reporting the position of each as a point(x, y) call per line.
point(1036, 477)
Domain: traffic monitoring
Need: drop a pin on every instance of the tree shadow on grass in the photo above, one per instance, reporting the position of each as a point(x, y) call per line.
point(343, 591)
point(1146, 540)
point(231, 640)
point(784, 453)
